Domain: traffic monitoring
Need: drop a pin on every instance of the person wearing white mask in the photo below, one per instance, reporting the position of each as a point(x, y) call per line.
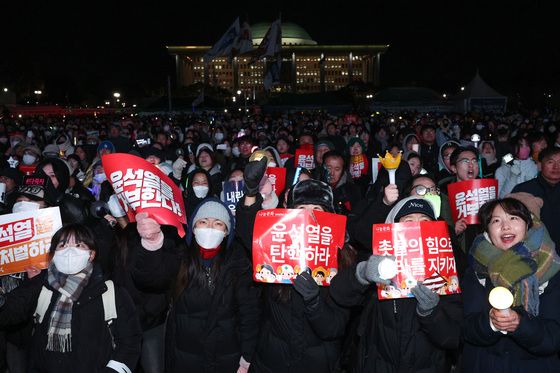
point(206, 159)
point(71, 334)
point(213, 323)
point(197, 188)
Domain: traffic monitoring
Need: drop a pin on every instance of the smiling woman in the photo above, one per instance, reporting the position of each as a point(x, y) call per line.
point(517, 253)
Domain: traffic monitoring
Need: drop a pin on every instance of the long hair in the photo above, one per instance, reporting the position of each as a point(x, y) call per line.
point(80, 232)
point(192, 272)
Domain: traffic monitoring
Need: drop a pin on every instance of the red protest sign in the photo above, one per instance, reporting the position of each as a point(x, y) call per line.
point(286, 241)
point(25, 239)
point(423, 252)
point(304, 157)
point(277, 177)
point(466, 197)
point(141, 186)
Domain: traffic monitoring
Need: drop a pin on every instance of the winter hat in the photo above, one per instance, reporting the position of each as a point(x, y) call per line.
point(215, 210)
point(51, 150)
point(12, 173)
point(34, 149)
point(202, 146)
point(416, 205)
point(324, 142)
point(312, 192)
point(152, 150)
point(33, 187)
point(106, 145)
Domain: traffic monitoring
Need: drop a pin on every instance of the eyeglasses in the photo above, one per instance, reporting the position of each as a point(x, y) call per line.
point(466, 161)
point(422, 190)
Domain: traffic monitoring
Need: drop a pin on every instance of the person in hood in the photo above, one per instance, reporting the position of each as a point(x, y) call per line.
point(205, 158)
point(72, 334)
point(410, 143)
point(214, 321)
point(198, 187)
point(489, 160)
point(407, 334)
point(347, 195)
point(64, 145)
point(428, 148)
point(445, 174)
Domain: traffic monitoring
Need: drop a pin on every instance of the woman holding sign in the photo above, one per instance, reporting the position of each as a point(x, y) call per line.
point(399, 335)
point(516, 253)
point(213, 322)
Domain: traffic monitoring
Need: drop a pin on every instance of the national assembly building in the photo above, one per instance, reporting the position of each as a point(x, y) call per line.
point(306, 65)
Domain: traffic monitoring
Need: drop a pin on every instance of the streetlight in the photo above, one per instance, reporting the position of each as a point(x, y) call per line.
point(38, 94)
point(116, 95)
point(5, 89)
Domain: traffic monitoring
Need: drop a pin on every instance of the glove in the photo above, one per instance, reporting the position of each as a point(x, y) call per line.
point(178, 167)
point(427, 299)
point(150, 232)
point(252, 176)
point(368, 272)
point(306, 286)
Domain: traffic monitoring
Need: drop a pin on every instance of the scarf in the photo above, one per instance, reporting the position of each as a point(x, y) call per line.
point(209, 253)
point(59, 335)
point(522, 268)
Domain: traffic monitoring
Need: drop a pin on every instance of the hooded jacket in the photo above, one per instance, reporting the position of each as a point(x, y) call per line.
point(190, 198)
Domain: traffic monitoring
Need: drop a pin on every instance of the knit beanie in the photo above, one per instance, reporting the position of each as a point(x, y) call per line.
point(214, 210)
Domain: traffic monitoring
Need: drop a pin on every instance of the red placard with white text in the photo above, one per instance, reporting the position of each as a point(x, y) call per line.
point(466, 197)
point(277, 177)
point(142, 187)
point(304, 157)
point(25, 239)
point(423, 252)
point(286, 241)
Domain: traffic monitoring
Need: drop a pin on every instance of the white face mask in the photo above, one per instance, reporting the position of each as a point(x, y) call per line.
point(218, 136)
point(25, 206)
point(28, 159)
point(200, 191)
point(99, 178)
point(271, 164)
point(208, 238)
point(71, 260)
point(235, 151)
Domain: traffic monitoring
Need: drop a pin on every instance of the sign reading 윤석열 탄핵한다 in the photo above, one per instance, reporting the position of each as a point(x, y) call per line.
point(142, 187)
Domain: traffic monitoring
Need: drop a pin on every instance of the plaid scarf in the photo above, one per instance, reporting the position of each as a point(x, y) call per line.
point(522, 268)
point(70, 287)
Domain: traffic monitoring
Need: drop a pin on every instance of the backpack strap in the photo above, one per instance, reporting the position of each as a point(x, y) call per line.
point(109, 305)
point(42, 304)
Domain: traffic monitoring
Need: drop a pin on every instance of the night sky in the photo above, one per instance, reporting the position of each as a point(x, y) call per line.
point(88, 50)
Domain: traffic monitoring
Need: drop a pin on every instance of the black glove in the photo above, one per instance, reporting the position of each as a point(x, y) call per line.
point(306, 286)
point(252, 176)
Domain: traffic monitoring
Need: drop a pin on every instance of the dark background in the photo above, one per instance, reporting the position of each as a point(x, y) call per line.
point(86, 50)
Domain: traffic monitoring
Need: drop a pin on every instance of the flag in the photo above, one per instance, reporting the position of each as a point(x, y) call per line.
point(273, 74)
point(199, 100)
point(236, 40)
point(271, 43)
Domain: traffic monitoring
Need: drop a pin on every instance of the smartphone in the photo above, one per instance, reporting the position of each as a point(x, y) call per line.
point(508, 158)
point(475, 138)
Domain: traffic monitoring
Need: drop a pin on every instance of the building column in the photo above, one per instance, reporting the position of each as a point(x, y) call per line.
point(294, 73)
point(178, 71)
point(322, 72)
point(206, 73)
point(377, 73)
point(350, 68)
point(370, 62)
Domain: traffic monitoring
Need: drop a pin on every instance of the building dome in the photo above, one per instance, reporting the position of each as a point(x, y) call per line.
point(292, 34)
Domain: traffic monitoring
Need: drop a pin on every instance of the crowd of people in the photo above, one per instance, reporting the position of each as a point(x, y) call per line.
point(136, 297)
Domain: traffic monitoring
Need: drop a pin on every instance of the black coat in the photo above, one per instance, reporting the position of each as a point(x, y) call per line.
point(294, 337)
point(91, 336)
point(207, 331)
point(392, 337)
point(533, 347)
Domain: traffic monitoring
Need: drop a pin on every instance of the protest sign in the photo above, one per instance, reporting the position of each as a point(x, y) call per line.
point(25, 239)
point(423, 252)
point(232, 192)
point(142, 187)
point(304, 157)
point(277, 177)
point(287, 241)
point(466, 197)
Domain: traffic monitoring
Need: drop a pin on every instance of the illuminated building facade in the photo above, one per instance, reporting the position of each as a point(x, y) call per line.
point(306, 65)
